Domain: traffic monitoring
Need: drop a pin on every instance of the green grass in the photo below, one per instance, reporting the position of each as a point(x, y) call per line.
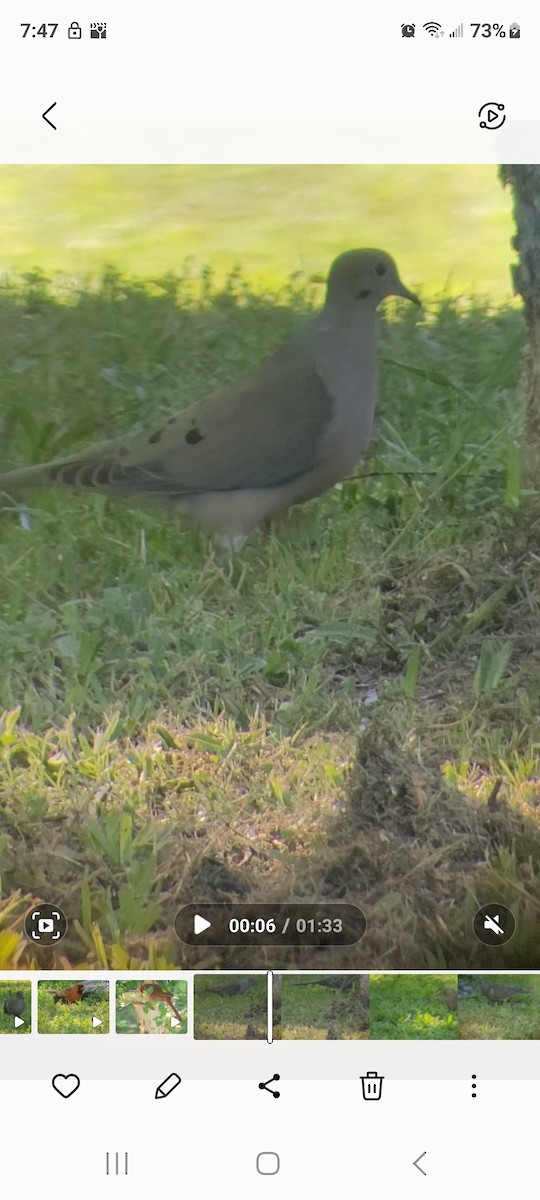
point(324, 716)
point(313, 1012)
point(411, 1007)
point(222, 1017)
point(518, 1018)
point(146, 221)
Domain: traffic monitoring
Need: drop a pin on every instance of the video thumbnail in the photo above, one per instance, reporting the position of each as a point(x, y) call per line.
point(335, 1007)
point(15, 1007)
point(230, 1006)
point(151, 1006)
point(78, 1006)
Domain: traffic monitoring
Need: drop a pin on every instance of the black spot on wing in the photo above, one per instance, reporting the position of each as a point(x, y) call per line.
point(193, 436)
point(287, 414)
point(155, 437)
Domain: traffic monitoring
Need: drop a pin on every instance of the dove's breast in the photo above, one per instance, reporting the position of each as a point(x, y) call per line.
point(350, 375)
point(347, 368)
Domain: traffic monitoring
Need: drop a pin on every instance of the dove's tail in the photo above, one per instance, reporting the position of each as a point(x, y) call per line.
point(89, 474)
point(26, 477)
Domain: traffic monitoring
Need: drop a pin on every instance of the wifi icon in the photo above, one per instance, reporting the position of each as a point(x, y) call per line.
point(433, 28)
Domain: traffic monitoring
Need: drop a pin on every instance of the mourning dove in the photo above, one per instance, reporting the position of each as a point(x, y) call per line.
point(236, 987)
point(238, 457)
point(341, 983)
point(450, 998)
point(500, 993)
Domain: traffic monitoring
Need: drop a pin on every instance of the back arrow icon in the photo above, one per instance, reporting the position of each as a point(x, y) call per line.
point(45, 117)
point(417, 1160)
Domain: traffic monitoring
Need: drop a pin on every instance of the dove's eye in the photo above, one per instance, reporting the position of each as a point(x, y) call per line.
point(380, 269)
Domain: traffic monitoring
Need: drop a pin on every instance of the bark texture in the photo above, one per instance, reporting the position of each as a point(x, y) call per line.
point(525, 184)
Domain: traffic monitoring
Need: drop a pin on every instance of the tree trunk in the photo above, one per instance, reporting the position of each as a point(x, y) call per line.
point(525, 184)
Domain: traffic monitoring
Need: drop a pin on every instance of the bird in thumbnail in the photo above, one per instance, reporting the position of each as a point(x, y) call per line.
point(235, 987)
point(500, 993)
point(14, 1006)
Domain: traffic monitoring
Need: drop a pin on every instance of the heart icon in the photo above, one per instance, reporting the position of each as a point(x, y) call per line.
point(66, 1085)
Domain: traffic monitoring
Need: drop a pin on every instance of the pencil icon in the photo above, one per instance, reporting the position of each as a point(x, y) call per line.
point(167, 1086)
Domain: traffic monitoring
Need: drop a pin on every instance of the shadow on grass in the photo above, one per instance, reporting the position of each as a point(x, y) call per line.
point(417, 833)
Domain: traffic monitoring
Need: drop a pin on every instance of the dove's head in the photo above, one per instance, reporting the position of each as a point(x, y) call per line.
point(364, 277)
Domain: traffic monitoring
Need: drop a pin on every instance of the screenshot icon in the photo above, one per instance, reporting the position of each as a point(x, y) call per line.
point(46, 924)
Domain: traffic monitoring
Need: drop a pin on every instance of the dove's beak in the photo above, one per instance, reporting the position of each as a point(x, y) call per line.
point(401, 290)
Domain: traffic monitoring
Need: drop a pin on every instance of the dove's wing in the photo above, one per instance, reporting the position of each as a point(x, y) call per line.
point(261, 433)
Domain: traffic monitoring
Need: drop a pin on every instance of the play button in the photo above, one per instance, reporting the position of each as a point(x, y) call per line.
point(18, 1021)
point(200, 924)
point(174, 1022)
point(96, 1022)
point(492, 116)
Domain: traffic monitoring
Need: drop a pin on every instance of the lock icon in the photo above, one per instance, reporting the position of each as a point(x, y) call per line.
point(74, 30)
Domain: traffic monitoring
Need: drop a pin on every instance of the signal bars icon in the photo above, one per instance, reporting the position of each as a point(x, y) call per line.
point(458, 31)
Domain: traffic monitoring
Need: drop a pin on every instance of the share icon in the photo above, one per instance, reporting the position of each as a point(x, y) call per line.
point(264, 1087)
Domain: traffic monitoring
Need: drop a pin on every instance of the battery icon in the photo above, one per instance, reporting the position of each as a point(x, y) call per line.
point(515, 30)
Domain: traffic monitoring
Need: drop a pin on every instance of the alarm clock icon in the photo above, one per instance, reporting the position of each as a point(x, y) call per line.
point(407, 30)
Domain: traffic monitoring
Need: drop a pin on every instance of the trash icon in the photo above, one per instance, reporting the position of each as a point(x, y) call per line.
point(372, 1085)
